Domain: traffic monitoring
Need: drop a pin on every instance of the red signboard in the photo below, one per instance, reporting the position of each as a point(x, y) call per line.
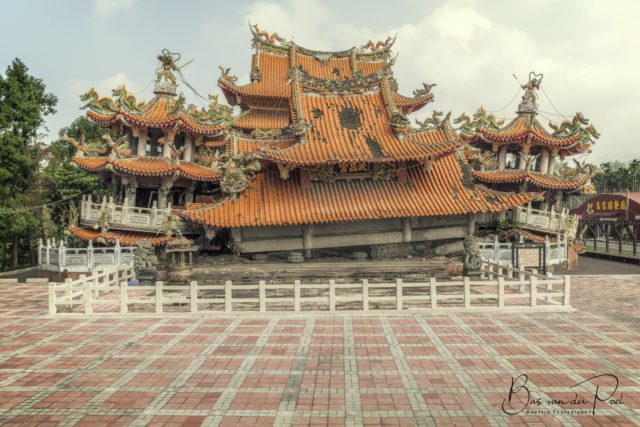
point(613, 207)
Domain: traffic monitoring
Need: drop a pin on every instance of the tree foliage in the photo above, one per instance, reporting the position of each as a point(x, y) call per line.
point(24, 103)
point(618, 177)
point(62, 181)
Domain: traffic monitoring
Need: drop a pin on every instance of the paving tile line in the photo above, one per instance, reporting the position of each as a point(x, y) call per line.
point(421, 411)
point(33, 368)
point(508, 367)
point(167, 393)
point(483, 406)
point(626, 411)
point(25, 406)
point(287, 407)
point(352, 392)
point(218, 411)
point(93, 405)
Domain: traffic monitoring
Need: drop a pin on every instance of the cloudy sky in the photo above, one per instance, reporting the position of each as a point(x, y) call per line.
point(588, 50)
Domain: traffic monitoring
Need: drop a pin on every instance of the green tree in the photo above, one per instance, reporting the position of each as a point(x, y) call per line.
point(63, 183)
point(24, 103)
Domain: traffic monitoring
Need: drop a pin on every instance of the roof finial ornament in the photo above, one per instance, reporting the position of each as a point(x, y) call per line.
point(165, 77)
point(265, 37)
point(528, 104)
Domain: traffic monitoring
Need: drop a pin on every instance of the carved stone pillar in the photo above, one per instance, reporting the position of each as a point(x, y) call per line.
point(524, 154)
point(130, 184)
point(164, 190)
point(552, 161)
point(141, 134)
point(502, 157)
point(188, 194)
point(188, 148)
point(543, 167)
point(169, 137)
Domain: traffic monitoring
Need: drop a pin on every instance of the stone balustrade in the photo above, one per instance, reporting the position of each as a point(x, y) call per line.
point(556, 253)
point(54, 256)
point(550, 221)
point(126, 217)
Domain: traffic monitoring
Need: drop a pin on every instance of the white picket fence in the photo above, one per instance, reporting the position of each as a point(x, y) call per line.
point(503, 284)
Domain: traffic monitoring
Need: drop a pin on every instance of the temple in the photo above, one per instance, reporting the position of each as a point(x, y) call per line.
point(523, 156)
point(148, 159)
point(321, 157)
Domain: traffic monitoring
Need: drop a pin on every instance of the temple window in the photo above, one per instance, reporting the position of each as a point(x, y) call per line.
point(511, 161)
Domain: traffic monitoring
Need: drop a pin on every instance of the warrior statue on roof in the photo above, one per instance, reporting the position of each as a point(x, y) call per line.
point(168, 60)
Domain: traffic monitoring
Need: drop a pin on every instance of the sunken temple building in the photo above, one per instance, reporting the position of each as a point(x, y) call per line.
point(319, 155)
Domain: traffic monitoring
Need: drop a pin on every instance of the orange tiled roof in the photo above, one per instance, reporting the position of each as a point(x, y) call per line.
point(263, 118)
point(160, 112)
point(538, 179)
point(367, 68)
point(371, 140)
point(331, 69)
point(247, 145)
point(274, 70)
point(273, 201)
point(526, 127)
point(150, 166)
point(126, 238)
point(410, 105)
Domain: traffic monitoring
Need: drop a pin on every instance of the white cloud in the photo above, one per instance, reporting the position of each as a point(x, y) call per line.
point(109, 7)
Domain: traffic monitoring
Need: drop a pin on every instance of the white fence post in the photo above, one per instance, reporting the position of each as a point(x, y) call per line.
point(262, 291)
point(332, 295)
point(533, 281)
point(399, 301)
point(67, 284)
point(467, 292)
point(88, 308)
point(567, 291)
point(296, 295)
point(227, 296)
point(124, 300)
point(432, 292)
point(158, 297)
point(52, 298)
point(500, 291)
point(193, 296)
point(365, 295)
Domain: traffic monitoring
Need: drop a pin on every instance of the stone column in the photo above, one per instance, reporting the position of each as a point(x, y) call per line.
point(307, 240)
point(406, 230)
point(188, 194)
point(164, 190)
point(141, 134)
point(502, 157)
point(552, 161)
point(130, 188)
point(471, 224)
point(543, 167)
point(524, 153)
point(187, 155)
point(169, 137)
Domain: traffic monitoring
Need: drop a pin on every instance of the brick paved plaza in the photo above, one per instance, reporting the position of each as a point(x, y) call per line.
point(445, 369)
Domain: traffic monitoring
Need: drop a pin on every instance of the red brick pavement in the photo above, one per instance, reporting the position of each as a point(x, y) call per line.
point(447, 369)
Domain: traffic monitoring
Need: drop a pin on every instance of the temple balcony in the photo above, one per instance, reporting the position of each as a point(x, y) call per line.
point(54, 256)
point(130, 218)
point(546, 221)
point(555, 253)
